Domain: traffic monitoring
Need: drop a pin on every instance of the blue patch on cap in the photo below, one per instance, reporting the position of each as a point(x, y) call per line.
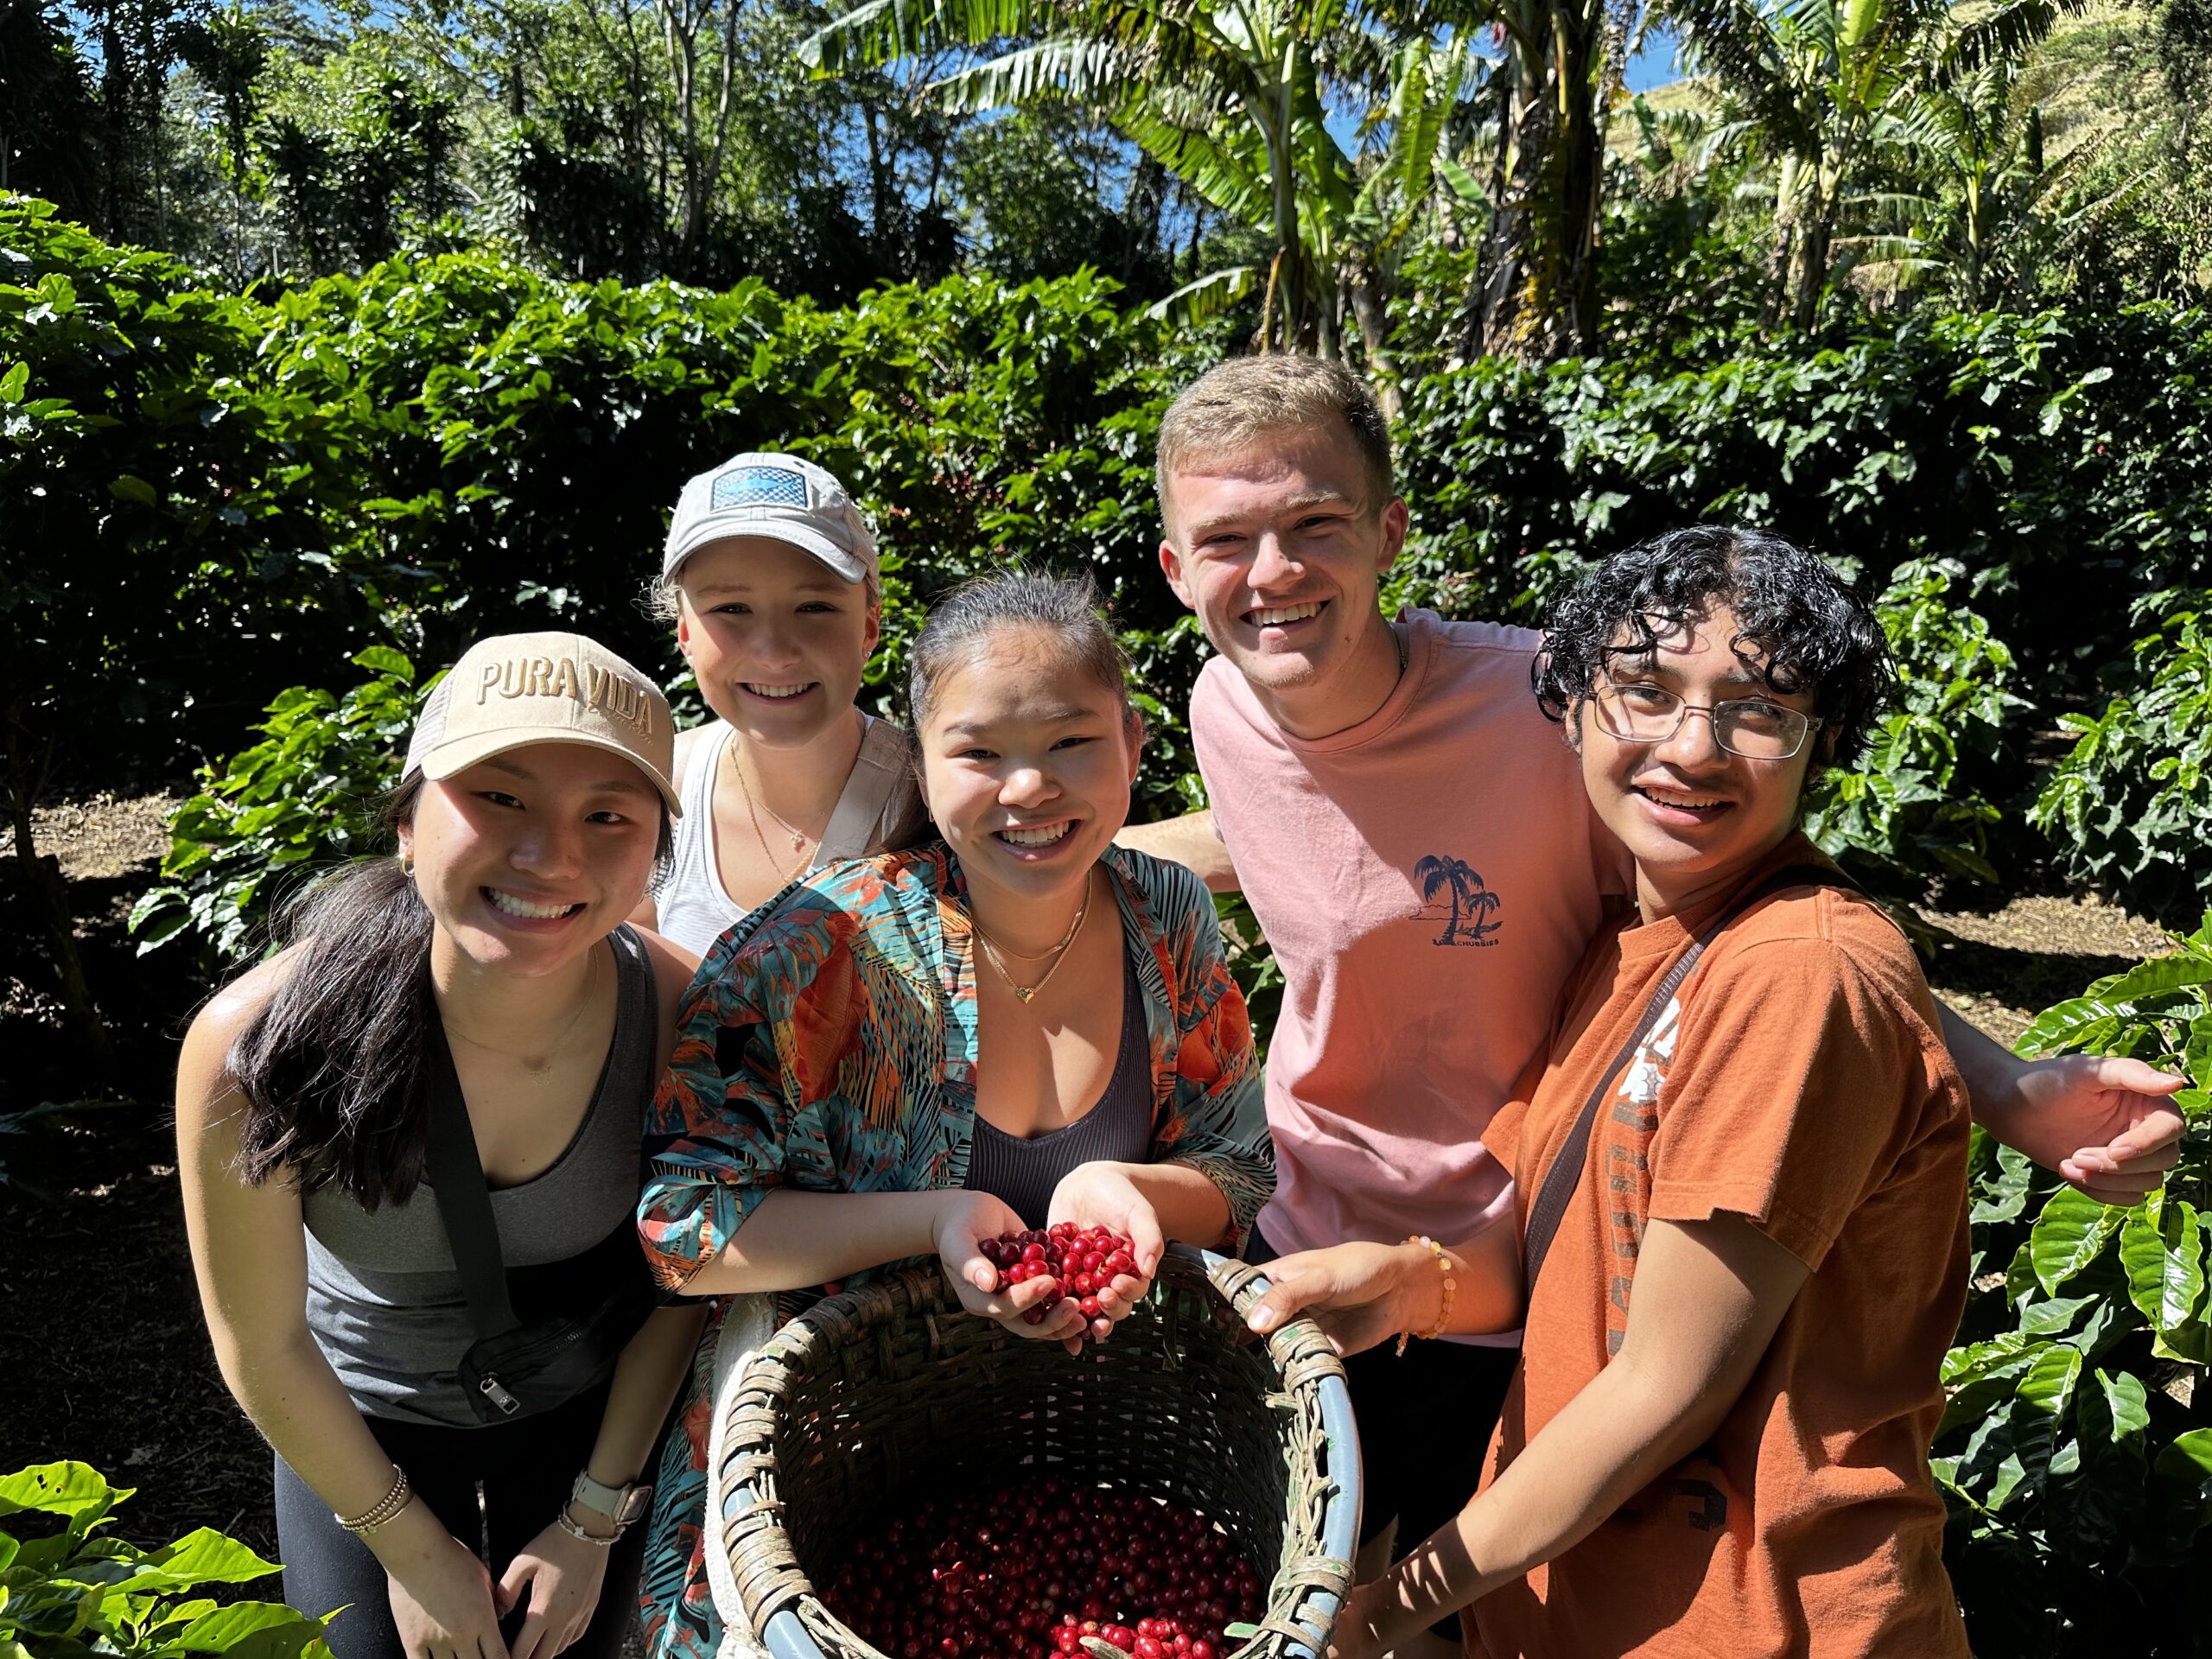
point(741, 485)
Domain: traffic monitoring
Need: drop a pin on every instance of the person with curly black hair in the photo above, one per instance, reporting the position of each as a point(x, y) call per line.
point(1738, 1245)
point(1414, 842)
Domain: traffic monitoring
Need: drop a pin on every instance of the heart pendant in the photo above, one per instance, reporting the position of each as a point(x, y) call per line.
point(1022, 993)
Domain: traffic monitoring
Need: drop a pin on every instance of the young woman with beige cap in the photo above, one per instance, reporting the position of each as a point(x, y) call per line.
point(408, 1148)
point(769, 576)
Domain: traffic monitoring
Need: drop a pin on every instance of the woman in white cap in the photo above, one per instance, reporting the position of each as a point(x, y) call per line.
point(771, 579)
point(408, 1148)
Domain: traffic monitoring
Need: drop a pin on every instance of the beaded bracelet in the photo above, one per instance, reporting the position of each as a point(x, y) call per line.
point(568, 1524)
point(1444, 1312)
point(385, 1510)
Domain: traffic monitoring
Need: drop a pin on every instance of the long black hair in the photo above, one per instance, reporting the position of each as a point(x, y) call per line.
point(332, 1065)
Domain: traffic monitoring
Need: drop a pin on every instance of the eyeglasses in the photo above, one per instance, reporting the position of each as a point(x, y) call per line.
point(1758, 728)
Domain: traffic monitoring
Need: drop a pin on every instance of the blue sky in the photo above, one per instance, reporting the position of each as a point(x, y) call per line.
point(1654, 65)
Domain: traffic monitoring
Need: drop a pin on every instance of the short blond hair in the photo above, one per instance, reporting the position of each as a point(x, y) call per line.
point(1232, 407)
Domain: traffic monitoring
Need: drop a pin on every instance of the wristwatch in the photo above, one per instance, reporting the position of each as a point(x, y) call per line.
point(624, 1504)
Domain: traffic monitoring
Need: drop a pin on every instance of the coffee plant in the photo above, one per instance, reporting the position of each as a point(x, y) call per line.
point(2074, 1450)
point(69, 1590)
point(305, 796)
point(1910, 811)
point(2131, 805)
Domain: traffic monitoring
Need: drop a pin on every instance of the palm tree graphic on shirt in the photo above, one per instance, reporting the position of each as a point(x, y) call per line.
point(1473, 904)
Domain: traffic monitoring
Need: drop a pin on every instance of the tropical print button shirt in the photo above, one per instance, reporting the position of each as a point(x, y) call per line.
point(828, 1046)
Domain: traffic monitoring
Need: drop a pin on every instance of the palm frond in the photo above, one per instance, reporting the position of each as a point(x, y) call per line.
point(877, 32)
point(1089, 71)
point(1734, 43)
point(2009, 32)
point(1225, 163)
point(1208, 296)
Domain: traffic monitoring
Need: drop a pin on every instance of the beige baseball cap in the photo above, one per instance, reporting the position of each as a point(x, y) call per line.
point(514, 690)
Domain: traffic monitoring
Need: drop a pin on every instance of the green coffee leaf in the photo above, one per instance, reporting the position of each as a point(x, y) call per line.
point(2006, 1190)
point(2071, 1233)
point(2156, 977)
point(2054, 1317)
point(206, 1556)
point(2182, 1475)
point(2162, 1247)
point(383, 659)
point(225, 1628)
point(75, 1490)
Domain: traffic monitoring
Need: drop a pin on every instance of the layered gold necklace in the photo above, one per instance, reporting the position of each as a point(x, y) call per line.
point(1058, 953)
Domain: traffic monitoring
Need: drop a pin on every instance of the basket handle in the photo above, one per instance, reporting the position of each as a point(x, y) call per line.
point(1241, 1284)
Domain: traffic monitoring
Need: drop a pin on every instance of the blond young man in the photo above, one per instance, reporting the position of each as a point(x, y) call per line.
point(1414, 841)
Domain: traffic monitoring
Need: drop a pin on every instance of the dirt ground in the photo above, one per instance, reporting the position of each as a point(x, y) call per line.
point(103, 1354)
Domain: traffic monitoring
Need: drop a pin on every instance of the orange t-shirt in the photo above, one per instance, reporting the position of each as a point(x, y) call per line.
point(1798, 1079)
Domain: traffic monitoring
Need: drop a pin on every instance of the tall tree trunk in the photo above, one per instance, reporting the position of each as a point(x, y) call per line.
point(878, 189)
point(1367, 311)
point(1815, 247)
point(1143, 210)
point(1536, 298)
point(1289, 281)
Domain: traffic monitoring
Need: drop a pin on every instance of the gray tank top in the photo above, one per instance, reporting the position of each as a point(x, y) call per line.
point(1024, 1170)
point(879, 804)
point(385, 1304)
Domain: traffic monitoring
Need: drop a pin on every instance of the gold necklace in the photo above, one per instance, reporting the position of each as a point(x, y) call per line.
point(753, 811)
point(575, 1027)
point(1058, 952)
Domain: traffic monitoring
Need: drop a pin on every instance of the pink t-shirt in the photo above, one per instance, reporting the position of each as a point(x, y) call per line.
point(1427, 879)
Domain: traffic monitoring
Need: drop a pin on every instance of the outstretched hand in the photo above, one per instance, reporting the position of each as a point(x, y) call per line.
point(2109, 1125)
point(1102, 1195)
point(557, 1577)
point(1358, 1294)
point(967, 1220)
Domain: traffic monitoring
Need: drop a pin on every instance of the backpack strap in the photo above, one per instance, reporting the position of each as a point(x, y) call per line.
point(877, 768)
point(464, 1201)
point(1566, 1172)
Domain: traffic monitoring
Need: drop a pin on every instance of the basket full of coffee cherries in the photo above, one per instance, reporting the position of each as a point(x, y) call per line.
point(905, 1480)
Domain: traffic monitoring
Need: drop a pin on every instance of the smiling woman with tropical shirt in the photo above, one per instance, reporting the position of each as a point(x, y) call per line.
point(1018, 1024)
point(1717, 1441)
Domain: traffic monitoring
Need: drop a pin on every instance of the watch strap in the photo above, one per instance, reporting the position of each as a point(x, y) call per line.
point(622, 1504)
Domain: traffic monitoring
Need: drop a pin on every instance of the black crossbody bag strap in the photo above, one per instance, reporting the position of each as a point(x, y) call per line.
point(464, 1201)
point(1566, 1172)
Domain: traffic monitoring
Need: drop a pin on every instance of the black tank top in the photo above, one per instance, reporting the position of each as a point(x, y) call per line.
point(1023, 1170)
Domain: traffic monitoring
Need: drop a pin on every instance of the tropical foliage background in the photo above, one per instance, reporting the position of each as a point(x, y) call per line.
point(333, 336)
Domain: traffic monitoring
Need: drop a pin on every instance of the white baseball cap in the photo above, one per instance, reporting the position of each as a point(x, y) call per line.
point(781, 497)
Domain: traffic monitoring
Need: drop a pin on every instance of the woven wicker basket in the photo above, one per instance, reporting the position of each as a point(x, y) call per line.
point(867, 1392)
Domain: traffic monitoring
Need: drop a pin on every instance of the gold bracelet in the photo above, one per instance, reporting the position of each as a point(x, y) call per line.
point(1444, 1312)
point(385, 1510)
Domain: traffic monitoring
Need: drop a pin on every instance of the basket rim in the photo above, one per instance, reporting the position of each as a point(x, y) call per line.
point(1304, 1361)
